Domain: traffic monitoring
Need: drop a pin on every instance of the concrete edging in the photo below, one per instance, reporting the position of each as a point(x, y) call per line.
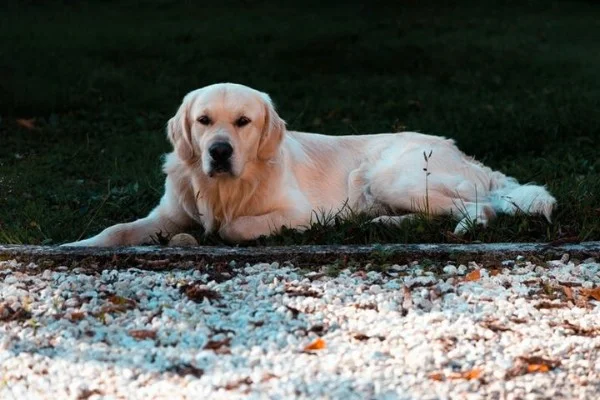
point(164, 258)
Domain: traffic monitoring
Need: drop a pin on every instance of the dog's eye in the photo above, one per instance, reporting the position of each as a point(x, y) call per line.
point(204, 120)
point(242, 121)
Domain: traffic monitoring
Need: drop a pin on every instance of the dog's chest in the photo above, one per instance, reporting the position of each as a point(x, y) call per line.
point(222, 202)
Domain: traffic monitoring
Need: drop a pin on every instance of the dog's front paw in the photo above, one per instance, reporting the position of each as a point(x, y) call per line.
point(80, 243)
point(235, 231)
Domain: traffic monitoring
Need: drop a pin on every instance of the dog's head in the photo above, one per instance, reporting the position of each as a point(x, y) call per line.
point(224, 127)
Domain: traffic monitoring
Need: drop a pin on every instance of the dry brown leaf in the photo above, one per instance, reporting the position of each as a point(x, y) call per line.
point(142, 334)
point(236, 384)
point(534, 364)
point(7, 313)
point(77, 316)
point(318, 344)
point(362, 337)
point(474, 373)
point(27, 123)
point(219, 346)
point(568, 292)
point(537, 368)
point(121, 301)
point(594, 293)
point(437, 376)
point(118, 304)
point(186, 369)
point(301, 292)
point(495, 326)
point(197, 292)
point(548, 305)
point(473, 275)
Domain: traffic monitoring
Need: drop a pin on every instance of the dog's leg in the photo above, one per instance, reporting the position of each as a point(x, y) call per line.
point(168, 218)
point(252, 227)
point(393, 220)
point(408, 194)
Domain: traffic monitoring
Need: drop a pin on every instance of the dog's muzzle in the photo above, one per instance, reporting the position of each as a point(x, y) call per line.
point(220, 154)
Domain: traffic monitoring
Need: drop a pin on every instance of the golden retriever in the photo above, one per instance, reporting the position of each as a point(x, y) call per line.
point(236, 170)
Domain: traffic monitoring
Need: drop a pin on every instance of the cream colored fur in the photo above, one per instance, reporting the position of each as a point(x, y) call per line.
point(282, 178)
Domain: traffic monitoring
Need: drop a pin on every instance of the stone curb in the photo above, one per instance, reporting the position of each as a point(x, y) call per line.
point(165, 258)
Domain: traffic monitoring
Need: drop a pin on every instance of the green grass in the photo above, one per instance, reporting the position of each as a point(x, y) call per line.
point(514, 82)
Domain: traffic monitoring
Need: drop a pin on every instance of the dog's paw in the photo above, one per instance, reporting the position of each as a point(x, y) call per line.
point(392, 220)
point(80, 243)
point(468, 224)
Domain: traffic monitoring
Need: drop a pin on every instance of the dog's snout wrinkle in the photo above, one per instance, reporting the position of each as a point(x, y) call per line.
point(220, 151)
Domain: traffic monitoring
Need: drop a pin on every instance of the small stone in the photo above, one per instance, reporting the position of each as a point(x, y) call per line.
point(450, 270)
point(183, 240)
point(375, 289)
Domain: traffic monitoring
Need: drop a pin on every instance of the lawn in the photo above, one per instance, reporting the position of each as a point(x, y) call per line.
point(87, 87)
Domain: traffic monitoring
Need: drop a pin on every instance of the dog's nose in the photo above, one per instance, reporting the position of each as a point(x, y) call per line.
point(220, 151)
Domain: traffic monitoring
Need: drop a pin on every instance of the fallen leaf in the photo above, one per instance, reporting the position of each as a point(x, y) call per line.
point(117, 304)
point(121, 301)
point(219, 346)
point(318, 344)
point(537, 368)
point(495, 326)
point(437, 376)
point(568, 292)
point(27, 123)
point(237, 384)
point(301, 292)
point(473, 275)
point(87, 393)
point(268, 376)
point(362, 337)
point(76, 316)
point(142, 334)
point(186, 369)
point(548, 305)
point(470, 375)
point(198, 292)
point(518, 320)
point(7, 313)
point(594, 293)
point(529, 365)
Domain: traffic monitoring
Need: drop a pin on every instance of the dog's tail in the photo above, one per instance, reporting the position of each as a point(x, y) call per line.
point(510, 197)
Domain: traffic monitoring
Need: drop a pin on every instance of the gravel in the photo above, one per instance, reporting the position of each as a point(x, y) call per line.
point(518, 329)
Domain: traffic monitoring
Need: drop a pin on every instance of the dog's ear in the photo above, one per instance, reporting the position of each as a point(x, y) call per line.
point(179, 132)
point(273, 131)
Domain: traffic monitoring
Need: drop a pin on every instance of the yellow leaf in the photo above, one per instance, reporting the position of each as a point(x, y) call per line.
point(537, 368)
point(472, 374)
point(473, 275)
point(468, 375)
point(318, 344)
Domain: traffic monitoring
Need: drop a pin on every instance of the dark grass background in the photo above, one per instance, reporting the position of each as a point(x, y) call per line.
point(516, 83)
